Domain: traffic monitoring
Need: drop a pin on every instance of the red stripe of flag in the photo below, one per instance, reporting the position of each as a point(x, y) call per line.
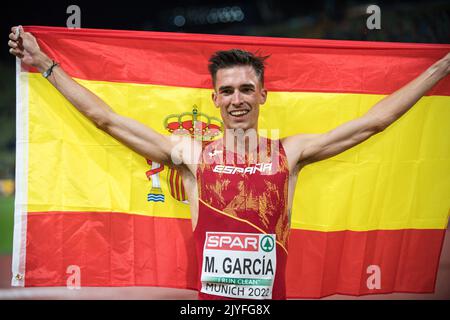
point(114, 249)
point(295, 64)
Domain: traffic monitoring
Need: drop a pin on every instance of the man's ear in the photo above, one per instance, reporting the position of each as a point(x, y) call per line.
point(263, 96)
point(214, 98)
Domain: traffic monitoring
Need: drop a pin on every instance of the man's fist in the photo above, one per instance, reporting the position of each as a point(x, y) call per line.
point(24, 46)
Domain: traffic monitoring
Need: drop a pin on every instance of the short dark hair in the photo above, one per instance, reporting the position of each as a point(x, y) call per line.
point(236, 57)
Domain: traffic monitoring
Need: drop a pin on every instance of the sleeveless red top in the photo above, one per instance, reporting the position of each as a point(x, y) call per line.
point(235, 197)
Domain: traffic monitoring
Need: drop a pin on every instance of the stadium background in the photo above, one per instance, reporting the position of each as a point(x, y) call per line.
point(401, 21)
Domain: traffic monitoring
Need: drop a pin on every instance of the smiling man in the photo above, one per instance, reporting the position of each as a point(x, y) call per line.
point(240, 187)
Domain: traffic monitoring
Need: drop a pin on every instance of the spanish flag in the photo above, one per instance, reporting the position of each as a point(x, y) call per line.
point(377, 211)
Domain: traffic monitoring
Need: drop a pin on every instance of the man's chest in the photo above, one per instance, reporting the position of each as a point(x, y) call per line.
point(242, 188)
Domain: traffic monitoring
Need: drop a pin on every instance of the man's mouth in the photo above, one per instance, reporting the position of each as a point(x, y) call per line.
point(239, 113)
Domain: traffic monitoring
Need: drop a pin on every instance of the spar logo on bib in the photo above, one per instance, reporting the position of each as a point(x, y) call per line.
point(230, 241)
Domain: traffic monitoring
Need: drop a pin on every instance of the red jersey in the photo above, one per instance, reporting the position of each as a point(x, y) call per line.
point(242, 216)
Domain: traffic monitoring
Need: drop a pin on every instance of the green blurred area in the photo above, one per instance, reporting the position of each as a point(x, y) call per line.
point(6, 224)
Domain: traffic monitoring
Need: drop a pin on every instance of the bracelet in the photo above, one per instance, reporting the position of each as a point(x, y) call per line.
point(49, 71)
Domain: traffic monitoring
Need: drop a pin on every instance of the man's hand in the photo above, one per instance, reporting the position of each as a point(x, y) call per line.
point(24, 46)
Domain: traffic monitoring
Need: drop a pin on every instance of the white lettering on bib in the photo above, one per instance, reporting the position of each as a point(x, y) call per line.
point(239, 265)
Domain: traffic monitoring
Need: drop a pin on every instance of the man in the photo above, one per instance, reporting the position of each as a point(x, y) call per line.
point(240, 208)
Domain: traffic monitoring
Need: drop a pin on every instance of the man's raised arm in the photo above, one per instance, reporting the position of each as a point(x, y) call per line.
point(308, 148)
point(133, 134)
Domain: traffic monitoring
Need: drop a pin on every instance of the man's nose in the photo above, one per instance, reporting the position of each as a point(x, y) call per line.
point(237, 98)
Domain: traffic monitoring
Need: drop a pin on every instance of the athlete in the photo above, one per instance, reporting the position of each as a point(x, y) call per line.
point(240, 192)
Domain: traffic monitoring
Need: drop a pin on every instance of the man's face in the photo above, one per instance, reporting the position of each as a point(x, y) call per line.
point(238, 93)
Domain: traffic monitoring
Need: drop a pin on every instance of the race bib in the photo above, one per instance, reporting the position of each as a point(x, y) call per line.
point(239, 265)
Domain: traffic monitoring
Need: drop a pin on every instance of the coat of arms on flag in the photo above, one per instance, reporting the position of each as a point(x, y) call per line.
point(194, 124)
